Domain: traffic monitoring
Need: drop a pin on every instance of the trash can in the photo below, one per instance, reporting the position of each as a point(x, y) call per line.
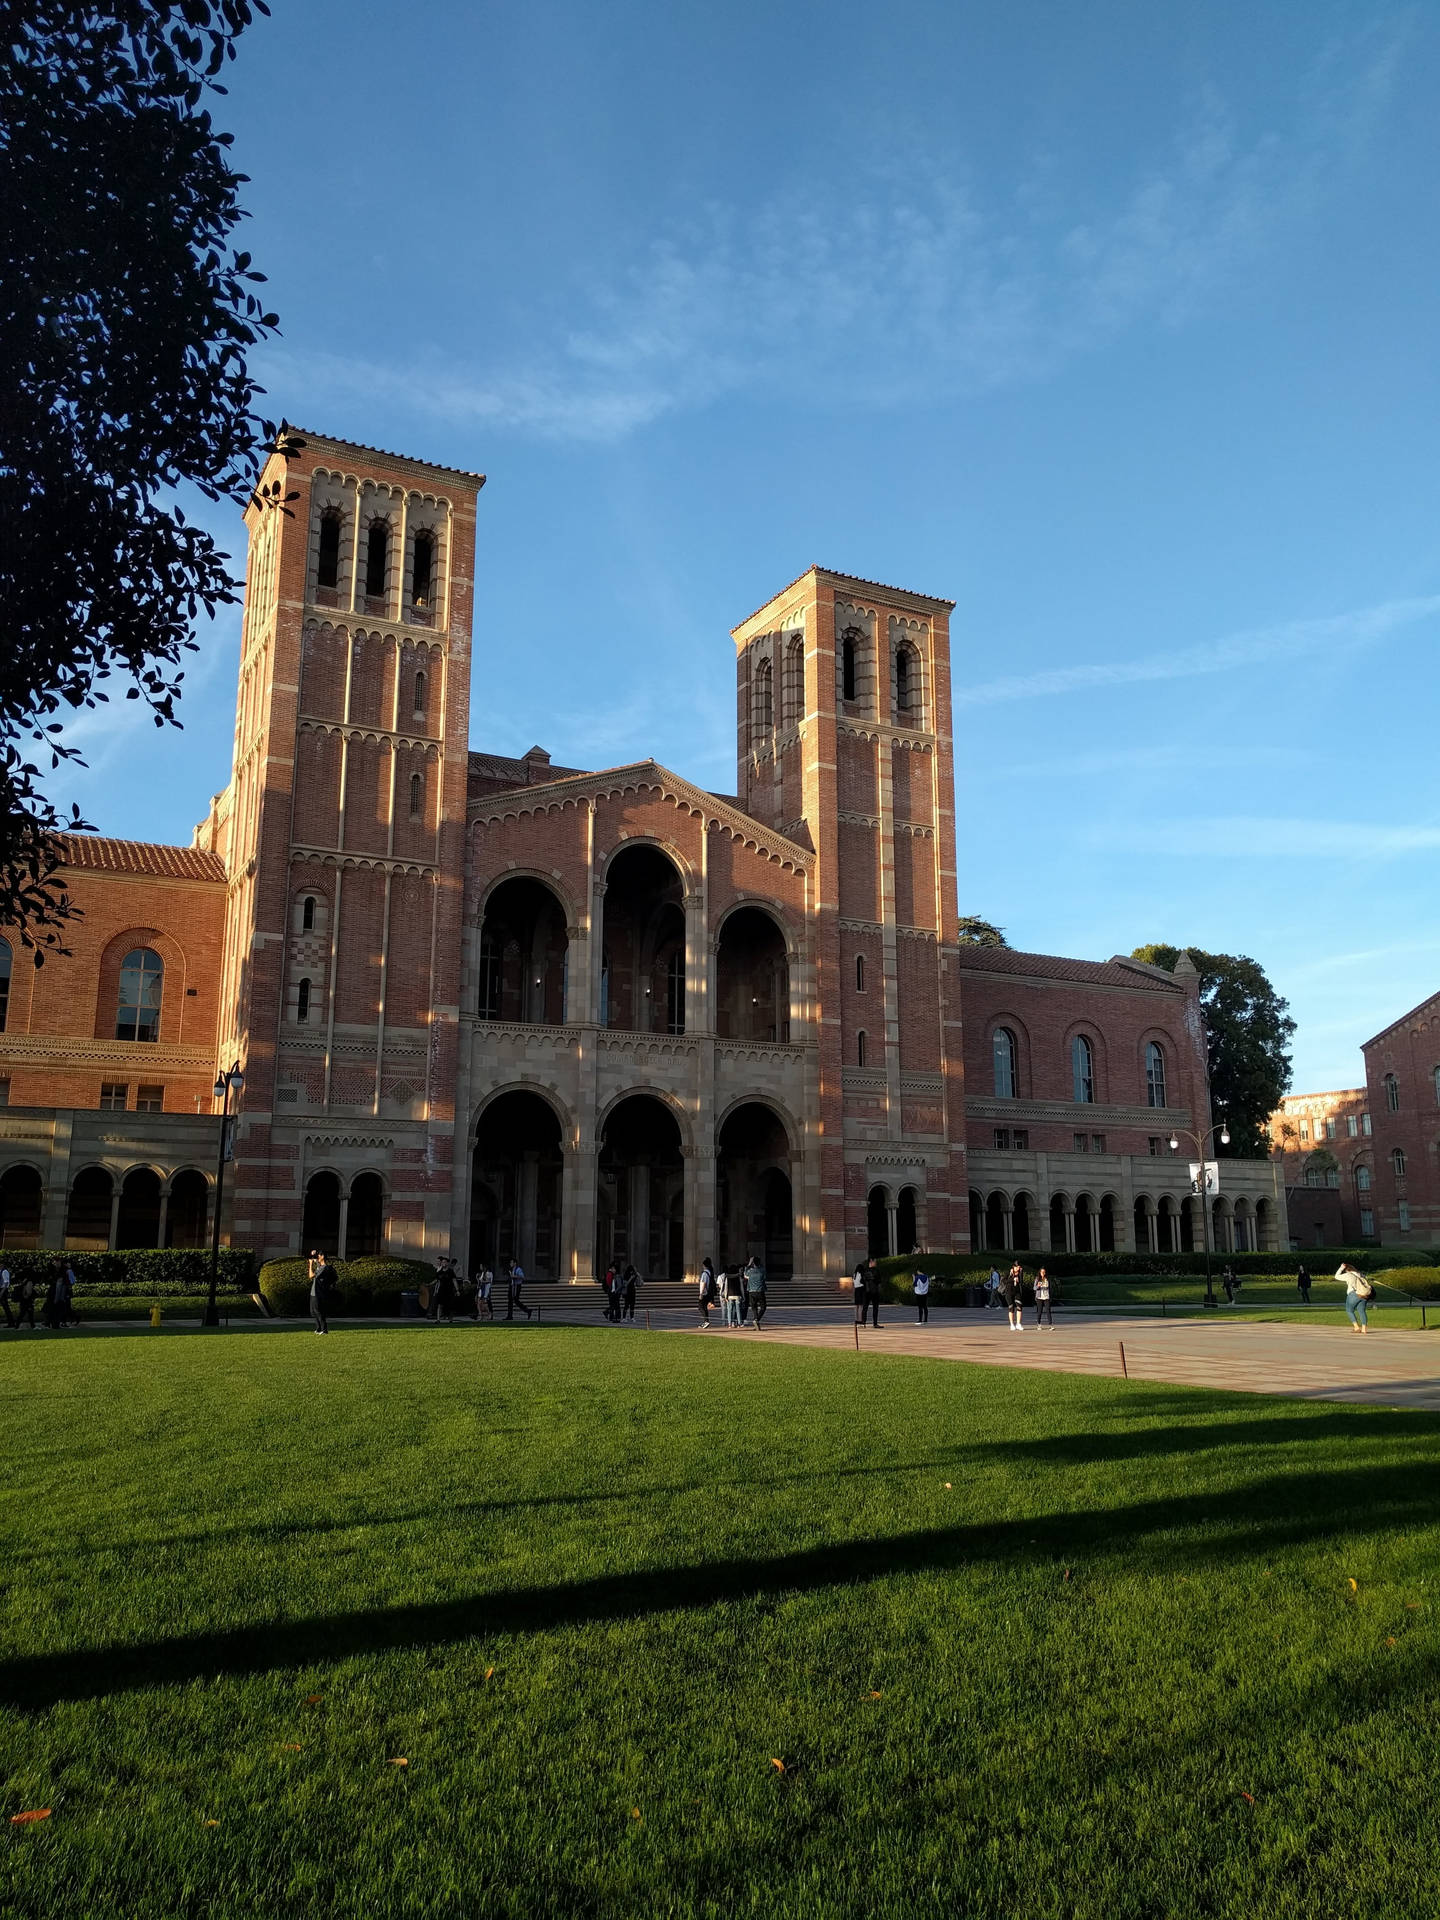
point(974, 1296)
point(409, 1306)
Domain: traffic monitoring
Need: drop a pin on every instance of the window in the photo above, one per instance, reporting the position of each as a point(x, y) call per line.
point(1097, 1143)
point(1157, 1146)
point(327, 571)
point(1020, 1139)
point(114, 1096)
point(847, 664)
point(1082, 1143)
point(1332, 1177)
point(1304, 1129)
point(1362, 1179)
point(1329, 1129)
point(1367, 1222)
point(1397, 1161)
point(675, 992)
point(1392, 1093)
point(793, 688)
point(307, 913)
point(490, 980)
point(422, 573)
point(1365, 1126)
point(1404, 1212)
point(149, 1099)
point(1437, 1086)
point(860, 973)
point(377, 560)
point(764, 697)
point(4, 1093)
point(417, 795)
point(1352, 1125)
point(860, 1048)
point(302, 1002)
point(1316, 1177)
point(1004, 1051)
point(1082, 1069)
point(142, 982)
point(7, 961)
point(1154, 1075)
point(1002, 1139)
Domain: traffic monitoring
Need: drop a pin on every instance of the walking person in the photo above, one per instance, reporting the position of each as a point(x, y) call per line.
point(632, 1282)
point(858, 1284)
point(516, 1283)
point(707, 1290)
point(732, 1286)
point(1227, 1281)
point(5, 1295)
point(1044, 1314)
point(50, 1311)
point(484, 1288)
point(1302, 1283)
point(442, 1293)
point(922, 1299)
point(25, 1301)
point(1013, 1289)
point(1358, 1291)
point(872, 1290)
point(993, 1289)
point(321, 1281)
point(755, 1288)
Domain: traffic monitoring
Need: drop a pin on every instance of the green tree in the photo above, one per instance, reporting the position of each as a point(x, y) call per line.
point(980, 933)
point(1247, 1030)
point(125, 316)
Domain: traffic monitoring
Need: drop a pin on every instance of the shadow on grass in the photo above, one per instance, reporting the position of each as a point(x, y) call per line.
point(1196, 1529)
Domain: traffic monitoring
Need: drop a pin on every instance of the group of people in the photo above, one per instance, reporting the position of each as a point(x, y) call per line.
point(17, 1298)
point(741, 1293)
point(1009, 1292)
point(475, 1298)
point(621, 1283)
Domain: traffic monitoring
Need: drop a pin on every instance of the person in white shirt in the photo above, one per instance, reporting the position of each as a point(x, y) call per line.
point(922, 1298)
point(1357, 1291)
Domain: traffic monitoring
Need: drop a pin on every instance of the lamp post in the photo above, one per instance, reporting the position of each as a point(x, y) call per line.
point(225, 1085)
point(1200, 1139)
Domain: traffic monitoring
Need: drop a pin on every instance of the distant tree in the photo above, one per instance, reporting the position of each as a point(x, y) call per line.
point(980, 933)
point(125, 318)
point(1248, 1029)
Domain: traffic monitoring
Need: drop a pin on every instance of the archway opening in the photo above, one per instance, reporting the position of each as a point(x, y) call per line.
point(754, 1207)
point(643, 960)
point(1084, 1224)
point(22, 1196)
point(1057, 1225)
point(906, 1221)
point(138, 1223)
point(752, 979)
point(1264, 1227)
point(877, 1223)
point(518, 1175)
point(524, 950)
point(977, 1223)
point(1167, 1226)
point(1107, 1223)
point(1143, 1218)
point(365, 1216)
point(1020, 1222)
point(995, 1221)
point(187, 1215)
point(87, 1221)
point(640, 1198)
point(320, 1222)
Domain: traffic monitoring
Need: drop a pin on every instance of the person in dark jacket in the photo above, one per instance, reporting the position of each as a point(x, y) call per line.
point(25, 1301)
point(1302, 1283)
point(321, 1283)
point(632, 1283)
point(872, 1291)
point(707, 1289)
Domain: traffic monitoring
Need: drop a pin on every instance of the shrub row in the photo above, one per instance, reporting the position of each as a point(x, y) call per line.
point(370, 1286)
point(1421, 1283)
point(158, 1273)
point(967, 1267)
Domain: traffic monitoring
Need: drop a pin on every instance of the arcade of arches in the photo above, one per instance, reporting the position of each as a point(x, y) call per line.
point(1085, 1223)
point(523, 953)
point(105, 1212)
point(642, 976)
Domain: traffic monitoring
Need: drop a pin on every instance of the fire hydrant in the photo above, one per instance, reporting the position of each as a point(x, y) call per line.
point(155, 1316)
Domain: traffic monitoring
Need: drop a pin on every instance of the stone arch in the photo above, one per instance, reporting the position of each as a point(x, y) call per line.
point(640, 1185)
point(320, 1216)
point(1087, 1223)
point(524, 949)
point(643, 935)
point(877, 1222)
point(752, 975)
point(187, 1207)
point(1022, 1213)
point(754, 1190)
point(517, 1182)
point(1061, 1223)
point(1167, 1225)
point(1164, 1040)
point(997, 1219)
point(367, 1205)
point(138, 1220)
point(22, 1205)
point(88, 1210)
point(1143, 1218)
point(1109, 1229)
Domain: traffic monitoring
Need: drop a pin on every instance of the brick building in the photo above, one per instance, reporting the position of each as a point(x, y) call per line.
point(1323, 1144)
point(490, 1005)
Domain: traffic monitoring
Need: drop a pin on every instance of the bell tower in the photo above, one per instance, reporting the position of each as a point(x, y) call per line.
point(845, 744)
point(342, 831)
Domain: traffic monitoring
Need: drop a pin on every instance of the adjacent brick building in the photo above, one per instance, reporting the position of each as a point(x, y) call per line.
point(1324, 1147)
point(493, 1006)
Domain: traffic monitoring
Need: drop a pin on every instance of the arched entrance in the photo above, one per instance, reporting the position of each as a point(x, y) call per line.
point(1020, 1222)
point(519, 1165)
point(187, 1214)
point(642, 978)
point(523, 953)
point(907, 1236)
point(640, 1196)
point(87, 1221)
point(1058, 1210)
point(21, 1201)
point(138, 1224)
point(877, 1223)
point(995, 1220)
point(320, 1222)
point(752, 979)
point(365, 1216)
point(1107, 1223)
point(754, 1208)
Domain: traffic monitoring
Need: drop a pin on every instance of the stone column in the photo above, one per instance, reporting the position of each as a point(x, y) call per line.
point(164, 1215)
point(1007, 1226)
point(114, 1213)
point(892, 1226)
point(527, 1181)
point(1069, 1229)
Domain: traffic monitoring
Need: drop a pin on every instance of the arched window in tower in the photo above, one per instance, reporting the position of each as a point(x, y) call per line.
point(1397, 1161)
point(1082, 1070)
point(793, 690)
point(327, 566)
point(1392, 1093)
point(675, 992)
point(377, 560)
point(7, 962)
point(902, 683)
point(860, 973)
point(1154, 1074)
point(764, 699)
point(422, 573)
point(417, 795)
point(307, 913)
point(142, 985)
point(1003, 1052)
point(847, 664)
point(860, 1048)
point(490, 977)
point(419, 708)
point(302, 1003)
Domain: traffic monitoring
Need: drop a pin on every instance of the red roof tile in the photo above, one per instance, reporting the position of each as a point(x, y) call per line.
point(1049, 966)
point(140, 856)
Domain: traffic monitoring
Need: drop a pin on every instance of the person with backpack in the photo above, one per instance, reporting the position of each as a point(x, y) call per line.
point(1227, 1281)
point(322, 1282)
point(993, 1289)
point(517, 1281)
point(730, 1296)
point(1302, 1283)
point(1359, 1289)
point(707, 1290)
point(755, 1287)
point(25, 1301)
point(921, 1286)
point(1044, 1313)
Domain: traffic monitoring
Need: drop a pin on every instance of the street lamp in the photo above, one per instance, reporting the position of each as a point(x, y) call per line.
point(1200, 1139)
point(225, 1085)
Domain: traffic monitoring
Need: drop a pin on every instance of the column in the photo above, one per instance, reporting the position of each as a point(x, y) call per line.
point(1069, 1228)
point(892, 1227)
point(1007, 1225)
point(164, 1214)
point(527, 1180)
point(342, 1245)
point(114, 1214)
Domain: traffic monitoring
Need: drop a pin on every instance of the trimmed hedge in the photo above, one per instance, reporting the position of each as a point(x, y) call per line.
point(965, 1267)
point(1421, 1283)
point(369, 1286)
point(153, 1273)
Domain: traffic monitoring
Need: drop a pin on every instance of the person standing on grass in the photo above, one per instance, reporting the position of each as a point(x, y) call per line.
point(707, 1289)
point(5, 1295)
point(1044, 1315)
point(1013, 1288)
point(1302, 1283)
point(755, 1287)
point(25, 1301)
point(872, 1289)
point(321, 1281)
point(922, 1299)
point(1358, 1290)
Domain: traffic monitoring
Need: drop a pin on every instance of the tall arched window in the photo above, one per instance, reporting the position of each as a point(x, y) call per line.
point(422, 573)
point(847, 665)
point(764, 697)
point(860, 973)
point(419, 707)
point(1082, 1069)
point(860, 1048)
point(7, 961)
point(1003, 1048)
point(1392, 1093)
point(793, 688)
point(327, 566)
point(377, 560)
point(908, 703)
point(142, 983)
point(490, 977)
point(307, 913)
point(302, 1002)
point(1397, 1161)
point(1154, 1074)
point(1362, 1179)
point(417, 795)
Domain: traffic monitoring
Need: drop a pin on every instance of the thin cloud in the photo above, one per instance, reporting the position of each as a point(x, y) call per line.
point(1267, 837)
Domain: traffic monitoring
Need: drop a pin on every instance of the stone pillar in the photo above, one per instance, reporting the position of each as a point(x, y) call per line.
point(527, 1182)
point(892, 1227)
point(164, 1215)
point(581, 1224)
point(1069, 1229)
point(342, 1242)
point(56, 1198)
point(114, 1214)
point(1007, 1226)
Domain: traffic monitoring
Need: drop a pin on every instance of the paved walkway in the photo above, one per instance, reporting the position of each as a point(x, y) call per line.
point(1308, 1363)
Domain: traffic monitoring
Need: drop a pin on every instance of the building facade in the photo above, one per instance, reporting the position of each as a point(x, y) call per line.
point(1324, 1144)
point(494, 1006)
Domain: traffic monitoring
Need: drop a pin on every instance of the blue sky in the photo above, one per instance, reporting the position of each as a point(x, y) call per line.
point(1116, 324)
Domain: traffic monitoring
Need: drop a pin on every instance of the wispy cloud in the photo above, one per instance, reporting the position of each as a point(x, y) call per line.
point(1266, 837)
point(907, 281)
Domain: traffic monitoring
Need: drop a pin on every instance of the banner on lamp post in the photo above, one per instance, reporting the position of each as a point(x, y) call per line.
point(1209, 1172)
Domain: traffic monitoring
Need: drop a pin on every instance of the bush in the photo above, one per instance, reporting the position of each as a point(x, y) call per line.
point(152, 1273)
point(1421, 1283)
point(962, 1267)
point(369, 1286)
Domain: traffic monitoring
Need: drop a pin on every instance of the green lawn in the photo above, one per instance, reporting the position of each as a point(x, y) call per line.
point(1258, 1298)
point(1026, 1644)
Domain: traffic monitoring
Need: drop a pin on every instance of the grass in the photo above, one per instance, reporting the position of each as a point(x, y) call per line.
point(1258, 1298)
point(1026, 1644)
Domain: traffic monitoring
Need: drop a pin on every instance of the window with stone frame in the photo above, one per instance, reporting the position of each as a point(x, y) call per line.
point(150, 1099)
point(141, 995)
point(1082, 1070)
point(1392, 1093)
point(1154, 1074)
point(114, 1096)
point(1003, 1052)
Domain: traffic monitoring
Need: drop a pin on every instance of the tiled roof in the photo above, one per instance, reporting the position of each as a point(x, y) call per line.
point(850, 579)
point(140, 856)
point(518, 773)
point(382, 453)
point(1049, 966)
